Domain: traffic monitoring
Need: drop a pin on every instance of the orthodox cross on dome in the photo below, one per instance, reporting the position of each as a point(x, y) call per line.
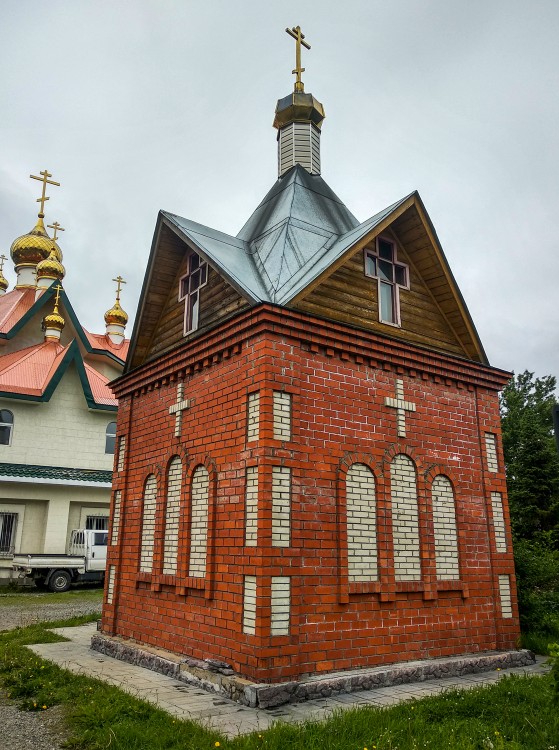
point(178, 408)
point(299, 37)
point(401, 407)
point(119, 282)
point(57, 299)
point(45, 180)
point(2, 259)
point(57, 228)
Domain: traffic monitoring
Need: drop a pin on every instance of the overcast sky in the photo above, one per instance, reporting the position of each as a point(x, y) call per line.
point(141, 105)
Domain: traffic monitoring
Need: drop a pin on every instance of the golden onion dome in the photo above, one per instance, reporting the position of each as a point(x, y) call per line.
point(54, 320)
point(35, 246)
point(116, 315)
point(3, 282)
point(51, 267)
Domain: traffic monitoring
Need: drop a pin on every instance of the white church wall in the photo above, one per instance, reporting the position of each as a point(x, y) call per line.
point(60, 432)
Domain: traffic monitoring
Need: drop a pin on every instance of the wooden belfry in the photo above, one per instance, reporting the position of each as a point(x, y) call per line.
point(337, 498)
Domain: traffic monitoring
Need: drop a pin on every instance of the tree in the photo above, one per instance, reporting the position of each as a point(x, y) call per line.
point(531, 458)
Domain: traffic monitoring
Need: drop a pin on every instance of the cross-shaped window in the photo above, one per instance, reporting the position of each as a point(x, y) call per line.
point(189, 290)
point(382, 264)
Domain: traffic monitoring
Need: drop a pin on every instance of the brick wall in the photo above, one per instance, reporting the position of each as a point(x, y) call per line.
point(276, 612)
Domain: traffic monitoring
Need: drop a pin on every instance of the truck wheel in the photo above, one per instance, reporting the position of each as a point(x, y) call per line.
point(60, 581)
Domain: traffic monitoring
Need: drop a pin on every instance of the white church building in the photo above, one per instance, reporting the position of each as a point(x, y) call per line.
point(57, 410)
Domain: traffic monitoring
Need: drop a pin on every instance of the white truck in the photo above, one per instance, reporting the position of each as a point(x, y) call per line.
point(84, 560)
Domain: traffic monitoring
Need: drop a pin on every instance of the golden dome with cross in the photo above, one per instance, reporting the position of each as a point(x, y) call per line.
point(36, 245)
point(116, 315)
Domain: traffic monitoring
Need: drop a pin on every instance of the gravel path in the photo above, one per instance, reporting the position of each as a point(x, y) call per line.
point(39, 609)
point(41, 730)
point(24, 730)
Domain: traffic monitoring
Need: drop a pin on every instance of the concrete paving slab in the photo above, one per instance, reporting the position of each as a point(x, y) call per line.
point(226, 716)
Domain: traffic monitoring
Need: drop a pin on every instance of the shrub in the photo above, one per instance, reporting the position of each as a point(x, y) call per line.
point(537, 571)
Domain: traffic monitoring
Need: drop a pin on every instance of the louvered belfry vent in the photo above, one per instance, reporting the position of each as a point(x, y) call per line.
point(299, 143)
point(298, 119)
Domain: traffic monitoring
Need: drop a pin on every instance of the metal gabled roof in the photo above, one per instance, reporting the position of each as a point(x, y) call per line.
point(230, 254)
point(297, 222)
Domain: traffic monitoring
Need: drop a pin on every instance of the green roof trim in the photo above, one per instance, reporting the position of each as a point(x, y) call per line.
point(31, 471)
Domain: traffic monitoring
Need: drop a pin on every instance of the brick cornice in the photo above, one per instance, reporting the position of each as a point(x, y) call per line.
point(326, 337)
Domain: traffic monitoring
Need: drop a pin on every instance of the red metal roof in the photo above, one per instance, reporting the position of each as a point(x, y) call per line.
point(30, 370)
point(100, 388)
point(102, 341)
point(13, 307)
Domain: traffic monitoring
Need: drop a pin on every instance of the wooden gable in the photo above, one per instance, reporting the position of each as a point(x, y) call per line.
point(163, 314)
point(432, 312)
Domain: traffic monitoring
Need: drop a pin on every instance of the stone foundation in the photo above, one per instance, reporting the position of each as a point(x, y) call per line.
point(218, 677)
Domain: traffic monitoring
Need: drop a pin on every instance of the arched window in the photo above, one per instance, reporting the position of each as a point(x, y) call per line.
point(110, 437)
point(172, 516)
point(148, 524)
point(199, 522)
point(405, 519)
point(444, 523)
point(361, 524)
point(6, 426)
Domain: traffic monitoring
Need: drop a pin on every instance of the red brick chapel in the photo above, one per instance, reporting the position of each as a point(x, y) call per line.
point(309, 474)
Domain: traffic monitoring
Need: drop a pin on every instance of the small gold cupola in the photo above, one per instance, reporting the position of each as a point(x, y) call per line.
point(3, 281)
point(50, 269)
point(115, 318)
point(31, 248)
point(298, 120)
point(54, 323)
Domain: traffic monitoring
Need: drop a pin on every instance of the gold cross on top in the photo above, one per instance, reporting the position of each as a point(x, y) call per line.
point(2, 259)
point(299, 37)
point(57, 299)
point(45, 180)
point(57, 228)
point(119, 280)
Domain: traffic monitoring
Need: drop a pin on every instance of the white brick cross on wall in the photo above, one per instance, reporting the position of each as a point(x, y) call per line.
point(178, 408)
point(401, 407)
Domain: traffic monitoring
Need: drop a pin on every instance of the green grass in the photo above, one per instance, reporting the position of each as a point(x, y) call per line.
point(34, 597)
point(518, 713)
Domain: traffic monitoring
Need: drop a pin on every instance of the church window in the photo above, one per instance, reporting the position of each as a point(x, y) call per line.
point(405, 519)
point(382, 264)
point(6, 426)
point(110, 437)
point(172, 516)
point(148, 524)
point(444, 522)
point(8, 524)
point(97, 523)
point(199, 522)
point(189, 290)
point(361, 524)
